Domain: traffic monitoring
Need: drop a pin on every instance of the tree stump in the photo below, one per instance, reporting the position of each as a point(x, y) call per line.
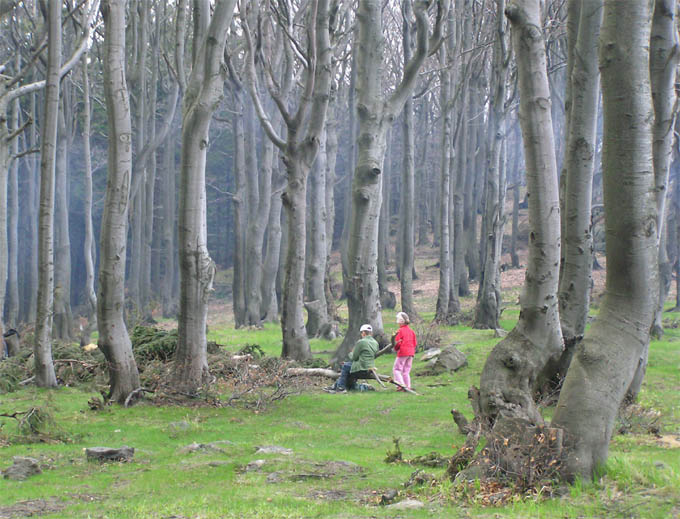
point(103, 454)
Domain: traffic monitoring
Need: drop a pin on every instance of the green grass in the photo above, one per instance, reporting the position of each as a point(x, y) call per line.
point(641, 479)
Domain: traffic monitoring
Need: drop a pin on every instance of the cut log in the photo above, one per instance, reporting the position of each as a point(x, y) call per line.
point(312, 372)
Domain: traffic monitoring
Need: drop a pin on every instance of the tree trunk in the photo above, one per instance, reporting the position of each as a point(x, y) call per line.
point(63, 317)
point(445, 256)
point(197, 270)
point(317, 309)
point(114, 340)
point(168, 250)
point(387, 298)
point(514, 368)
point(375, 116)
point(239, 207)
point(488, 308)
point(42, 349)
point(89, 250)
point(663, 57)
point(603, 367)
point(407, 207)
point(13, 229)
point(270, 304)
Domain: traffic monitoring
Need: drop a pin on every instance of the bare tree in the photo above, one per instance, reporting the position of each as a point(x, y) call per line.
point(114, 340)
point(577, 242)
point(299, 152)
point(376, 115)
point(513, 370)
point(197, 270)
point(44, 367)
point(605, 362)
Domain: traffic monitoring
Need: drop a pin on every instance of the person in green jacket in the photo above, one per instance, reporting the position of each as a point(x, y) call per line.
point(362, 359)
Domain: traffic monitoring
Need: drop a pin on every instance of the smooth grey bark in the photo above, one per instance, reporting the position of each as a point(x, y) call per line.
point(42, 347)
point(513, 370)
point(407, 206)
point(445, 256)
point(168, 226)
point(63, 316)
point(581, 126)
point(605, 362)
point(424, 188)
point(488, 307)
point(89, 250)
point(299, 152)
point(663, 63)
point(331, 159)
point(376, 115)
point(13, 229)
point(33, 192)
point(270, 304)
point(316, 305)
point(197, 270)
point(239, 212)
point(114, 341)
point(387, 298)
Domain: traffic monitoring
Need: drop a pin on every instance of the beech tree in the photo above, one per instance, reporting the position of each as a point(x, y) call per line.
point(114, 341)
point(197, 270)
point(514, 368)
point(376, 114)
point(604, 363)
point(299, 150)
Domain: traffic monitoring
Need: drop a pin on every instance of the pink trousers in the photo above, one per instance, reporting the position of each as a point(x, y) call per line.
point(401, 370)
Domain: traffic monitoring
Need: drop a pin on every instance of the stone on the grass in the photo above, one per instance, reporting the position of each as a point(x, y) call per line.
point(275, 477)
point(213, 446)
point(273, 449)
point(407, 504)
point(499, 333)
point(176, 427)
point(23, 468)
point(124, 453)
point(430, 354)
point(255, 465)
point(449, 359)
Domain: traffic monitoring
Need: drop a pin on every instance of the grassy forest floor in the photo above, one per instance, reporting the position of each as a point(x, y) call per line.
point(202, 461)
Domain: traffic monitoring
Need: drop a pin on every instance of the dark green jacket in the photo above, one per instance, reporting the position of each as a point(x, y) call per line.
point(363, 355)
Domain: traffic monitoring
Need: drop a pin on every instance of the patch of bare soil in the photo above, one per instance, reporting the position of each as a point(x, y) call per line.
point(38, 507)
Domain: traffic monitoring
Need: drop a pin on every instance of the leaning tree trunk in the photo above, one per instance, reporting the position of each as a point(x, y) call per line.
point(44, 367)
point(664, 55)
point(488, 307)
point(197, 270)
point(114, 340)
point(514, 367)
point(603, 367)
point(577, 245)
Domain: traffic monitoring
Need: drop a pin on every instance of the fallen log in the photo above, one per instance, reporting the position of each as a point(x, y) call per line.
point(312, 372)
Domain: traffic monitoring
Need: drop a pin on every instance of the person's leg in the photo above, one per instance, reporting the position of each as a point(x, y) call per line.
point(406, 370)
point(343, 380)
point(398, 370)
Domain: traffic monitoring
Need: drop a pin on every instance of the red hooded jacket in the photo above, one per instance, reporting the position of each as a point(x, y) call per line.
point(405, 342)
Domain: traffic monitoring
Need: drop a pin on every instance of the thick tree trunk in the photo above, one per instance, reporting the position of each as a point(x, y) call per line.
point(270, 304)
point(514, 368)
point(488, 308)
point(44, 367)
point(168, 250)
point(387, 298)
point(604, 364)
point(577, 243)
point(114, 340)
point(197, 270)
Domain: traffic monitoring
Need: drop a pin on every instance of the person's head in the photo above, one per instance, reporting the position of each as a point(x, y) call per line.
point(402, 318)
point(366, 329)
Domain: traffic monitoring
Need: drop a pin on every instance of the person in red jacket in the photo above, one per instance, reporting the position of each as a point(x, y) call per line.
point(405, 345)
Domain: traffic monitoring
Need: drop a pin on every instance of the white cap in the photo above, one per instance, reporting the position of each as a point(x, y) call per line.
point(366, 328)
